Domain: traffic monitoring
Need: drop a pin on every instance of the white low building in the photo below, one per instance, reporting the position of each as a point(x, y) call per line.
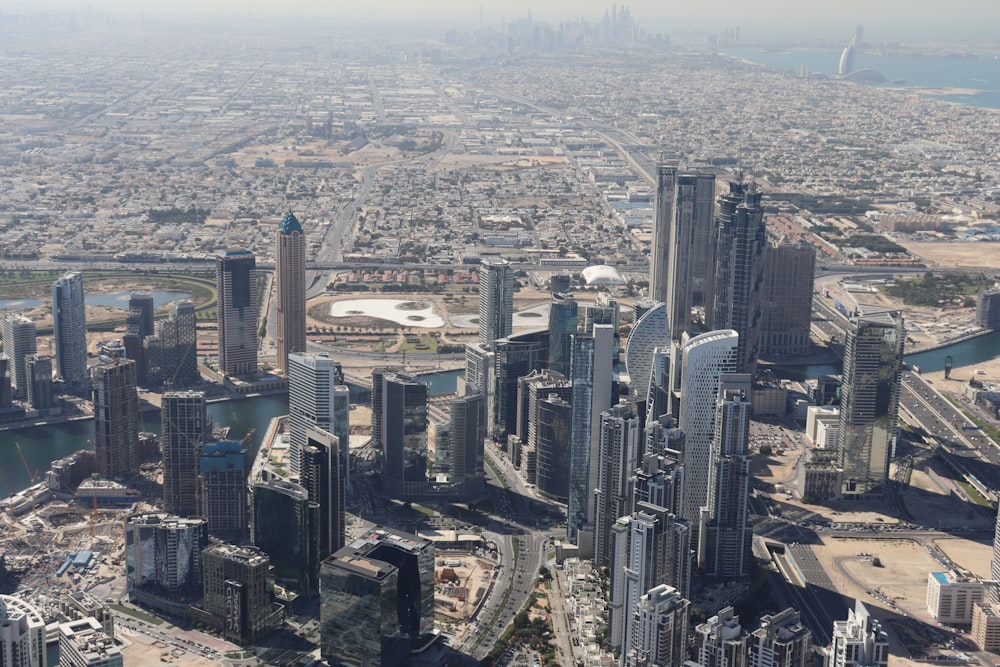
point(950, 598)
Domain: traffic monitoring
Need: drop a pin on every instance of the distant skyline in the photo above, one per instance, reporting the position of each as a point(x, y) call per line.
point(772, 19)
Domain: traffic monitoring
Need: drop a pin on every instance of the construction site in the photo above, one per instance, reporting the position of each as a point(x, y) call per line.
point(461, 582)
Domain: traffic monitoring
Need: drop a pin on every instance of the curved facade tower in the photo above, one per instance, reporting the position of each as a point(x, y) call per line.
point(290, 273)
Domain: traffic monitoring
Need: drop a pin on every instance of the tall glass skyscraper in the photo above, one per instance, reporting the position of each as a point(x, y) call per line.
point(496, 300)
point(290, 275)
point(116, 419)
point(18, 344)
point(869, 400)
point(184, 426)
point(404, 436)
point(286, 527)
point(562, 323)
point(236, 283)
point(69, 324)
point(316, 399)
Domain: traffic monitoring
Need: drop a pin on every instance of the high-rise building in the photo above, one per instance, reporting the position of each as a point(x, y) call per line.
point(138, 325)
point(734, 300)
point(780, 641)
point(725, 535)
point(650, 546)
point(172, 354)
point(659, 253)
point(222, 489)
point(994, 591)
point(378, 401)
point(531, 390)
point(236, 284)
point(859, 641)
point(467, 433)
point(377, 599)
point(285, 524)
point(18, 344)
point(554, 419)
point(38, 371)
point(562, 322)
point(83, 643)
point(658, 401)
point(404, 436)
point(290, 276)
point(480, 372)
point(869, 401)
point(702, 361)
point(238, 596)
point(619, 442)
point(651, 331)
point(22, 633)
point(320, 475)
point(659, 479)
point(988, 309)
point(184, 426)
point(660, 629)
point(691, 251)
point(603, 310)
point(69, 325)
point(786, 298)
point(163, 567)
point(496, 300)
point(116, 419)
point(720, 641)
point(317, 397)
point(513, 357)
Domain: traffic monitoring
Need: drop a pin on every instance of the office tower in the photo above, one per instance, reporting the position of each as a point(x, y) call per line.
point(591, 362)
point(562, 323)
point(236, 283)
point(859, 641)
point(320, 475)
point(619, 441)
point(285, 524)
point(316, 399)
point(69, 326)
point(6, 396)
point(83, 643)
point(22, 633)
point(138, 325)
point(496, 300)
point(38, 373)
point(659, 480)
point(720, 641)
point(994, 591)
point(18, 344)
point(116, 419)
point(651, 331)
point(869, 400)
point(531, 390)
point(184, 426)
point(725, 535)
point(163, 566)
point(786, 299)
point(734, 301)
point(172, 354)
point(238, 598)
point(404, 436)
point(554, 419)
point(467, 433)
point(780, 641)
point(222, 489)
point(691, 251)
point(650, 546)
point(659, 252)
point(660, 629)
point(988, 309)
point(290, 276)
point(604, 310)
point(702, 360)
point(513, 357)
point(378, 402)
point(377, 599)
point(480, 372)
point(658, 399)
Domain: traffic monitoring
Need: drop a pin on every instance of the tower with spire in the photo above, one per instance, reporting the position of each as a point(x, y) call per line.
point(290, 274)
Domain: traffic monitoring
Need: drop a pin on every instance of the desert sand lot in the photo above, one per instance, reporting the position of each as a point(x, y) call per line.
point(961, 255)
point(973, 556)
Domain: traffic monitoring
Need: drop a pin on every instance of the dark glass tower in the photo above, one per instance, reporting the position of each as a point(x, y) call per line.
point(236, 282)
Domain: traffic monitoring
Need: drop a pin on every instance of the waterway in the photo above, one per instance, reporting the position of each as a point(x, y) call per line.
point(113, 300)
point(980, 75)
point(43, 444)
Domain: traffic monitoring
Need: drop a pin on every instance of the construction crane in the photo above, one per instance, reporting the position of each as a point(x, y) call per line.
point(24, 461)
point(246, 439)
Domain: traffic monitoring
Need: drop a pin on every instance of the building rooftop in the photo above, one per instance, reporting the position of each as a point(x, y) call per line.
point(290, 224)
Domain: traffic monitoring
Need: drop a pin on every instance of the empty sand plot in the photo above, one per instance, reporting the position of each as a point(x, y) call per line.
point(973, 556)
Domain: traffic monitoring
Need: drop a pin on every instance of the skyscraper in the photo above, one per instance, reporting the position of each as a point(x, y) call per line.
point(562, 322)
point(22, 633)
point(317, 398)
point(286, 526)
point(651, 331)
point(660, 622)
point(236, 283)
point(780, 641)
point(692, 250)
point(377, 599)
point(83, 643)
point(869, 400)
point(175, 359)
point(552, 437)
point(734, 300)
point(222, 489)
point(786, 297)
point(163, 559)
point(39, 376)
point(69, 325)
point(496, 300)
point(467, 432)
point(404, 436)
point(513, 357)
point(116, 419)
point(320, 475)
point(702, 360)
point(138, 325)
point(720, 641)
point(184, 426)
point(659, 252)
point(238, 598)
point(18, 344)
point(619, 441)
point(290, 274)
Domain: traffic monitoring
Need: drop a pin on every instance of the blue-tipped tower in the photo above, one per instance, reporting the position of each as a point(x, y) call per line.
point(290, 224)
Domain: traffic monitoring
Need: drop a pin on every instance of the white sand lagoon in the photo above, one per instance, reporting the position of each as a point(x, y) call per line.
point(409, 312)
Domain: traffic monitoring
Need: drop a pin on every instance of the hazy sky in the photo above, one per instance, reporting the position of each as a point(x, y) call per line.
point(883, 19)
